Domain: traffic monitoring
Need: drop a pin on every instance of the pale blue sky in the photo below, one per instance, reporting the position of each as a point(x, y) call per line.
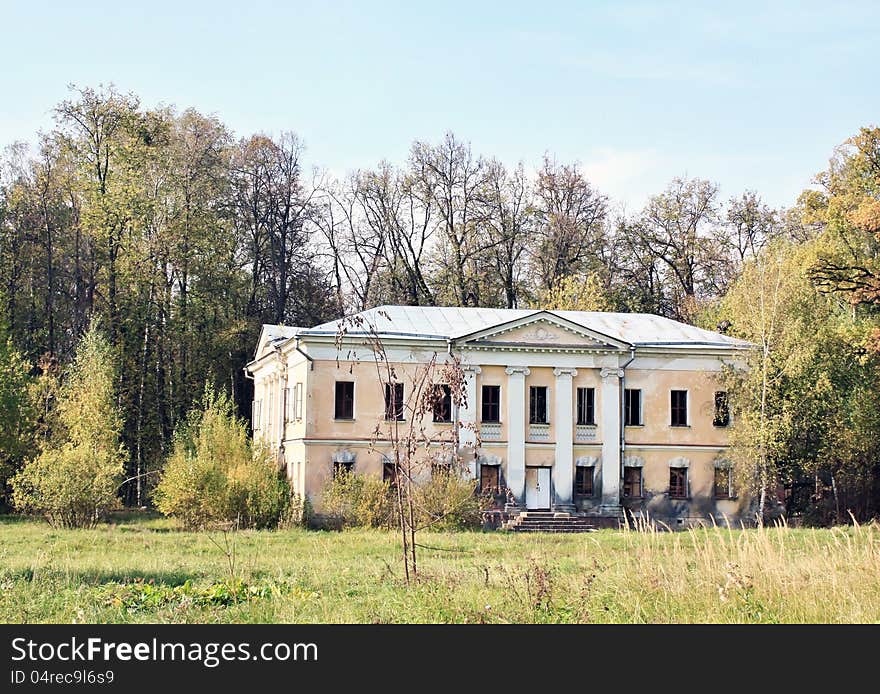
point(748, 95)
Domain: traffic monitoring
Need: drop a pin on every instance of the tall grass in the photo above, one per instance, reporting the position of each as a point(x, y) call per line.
point(145, 570)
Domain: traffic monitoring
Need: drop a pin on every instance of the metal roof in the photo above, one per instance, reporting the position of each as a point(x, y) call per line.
point(451, 323)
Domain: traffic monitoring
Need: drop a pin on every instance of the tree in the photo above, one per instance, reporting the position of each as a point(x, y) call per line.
point(847, 209)
point(676, 241)
point(805, 405)
point(74, 480)
point(214, 476)
point(571, 224)
point(15, 411)
point(577, 293)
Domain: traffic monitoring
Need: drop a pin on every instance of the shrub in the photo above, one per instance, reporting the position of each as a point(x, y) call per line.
point(351, 500)
point(445, 502)
point(215, 476)
point(74, 480)
point(448, 502)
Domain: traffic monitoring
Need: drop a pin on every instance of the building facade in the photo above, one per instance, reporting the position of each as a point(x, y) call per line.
point(572, 411)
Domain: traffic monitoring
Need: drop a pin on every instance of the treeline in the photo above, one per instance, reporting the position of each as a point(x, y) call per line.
point(178, 241)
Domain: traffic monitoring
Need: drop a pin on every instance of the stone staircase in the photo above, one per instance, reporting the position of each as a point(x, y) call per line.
point(548, 522)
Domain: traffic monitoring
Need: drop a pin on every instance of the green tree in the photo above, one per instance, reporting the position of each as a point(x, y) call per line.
point(74, 480)
point(15, 410)
point(215, 477)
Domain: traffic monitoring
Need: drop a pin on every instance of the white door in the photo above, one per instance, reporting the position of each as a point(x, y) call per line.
point(538, 488)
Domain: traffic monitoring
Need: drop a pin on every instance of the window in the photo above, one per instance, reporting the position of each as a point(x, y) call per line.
point(632, 482)
point(344, 406)
point(288, 405)
point(583, 481)
point(394, 401)
point(255, 414)
point(679, 408)
point(722, 410)
point(722, 483)
point(678, 482)
point(490, 479)
point(632, 407)
point(586, 405)
point(389, 473)
point(342, 468)
point(442, 403)
point(298, 401)
point(491, 404)
point(441, 469)
point(538, 405)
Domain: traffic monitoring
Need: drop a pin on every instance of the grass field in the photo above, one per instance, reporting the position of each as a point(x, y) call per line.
point(143, 570)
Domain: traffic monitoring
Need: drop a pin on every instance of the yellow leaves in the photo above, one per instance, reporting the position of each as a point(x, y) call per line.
point(866, 216)
point(578, 293)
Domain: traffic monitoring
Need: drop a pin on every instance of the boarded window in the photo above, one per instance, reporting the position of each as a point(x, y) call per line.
point(632, 482)
point(722, 409)
point(632, 407)
point(344, 402)
point(583, 481)
point(255, 414)
point(298, 401)
point(394, 401)
point(491, 404)
point(442, 403)
point(722, 483)
point(538, 405)
point(490, 479)
point(678, 482)
point(586, 405)
point(679, 408)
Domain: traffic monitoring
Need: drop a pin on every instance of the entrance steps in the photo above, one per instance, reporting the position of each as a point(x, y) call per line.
point(549, 522)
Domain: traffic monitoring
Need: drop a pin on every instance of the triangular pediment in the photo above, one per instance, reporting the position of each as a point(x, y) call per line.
point(271, 335)
point(542, 329)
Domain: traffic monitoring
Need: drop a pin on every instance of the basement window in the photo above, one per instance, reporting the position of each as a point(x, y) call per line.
point(490, 479)
point(632, 482)
point(583, 481)
point(723, 488)
point(678, 482)
point(342, 468)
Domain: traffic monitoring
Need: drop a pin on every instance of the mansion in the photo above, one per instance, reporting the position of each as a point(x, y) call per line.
point(578, 412)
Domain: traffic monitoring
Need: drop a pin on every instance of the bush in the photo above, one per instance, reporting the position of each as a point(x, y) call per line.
point(214, 476)
point(74, 480)
point(351, 500)
point(448, 502)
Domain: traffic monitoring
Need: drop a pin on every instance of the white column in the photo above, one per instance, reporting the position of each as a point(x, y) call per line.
point(563, 464)
point(611, 430)
point(467, 416)
point(516, 432)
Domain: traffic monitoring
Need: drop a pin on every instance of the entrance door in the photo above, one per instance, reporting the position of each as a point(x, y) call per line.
point(537, 488)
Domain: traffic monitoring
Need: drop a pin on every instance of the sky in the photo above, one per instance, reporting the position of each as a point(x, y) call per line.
point(748, 95)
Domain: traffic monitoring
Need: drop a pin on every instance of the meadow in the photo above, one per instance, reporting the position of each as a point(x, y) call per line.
point(142, 569)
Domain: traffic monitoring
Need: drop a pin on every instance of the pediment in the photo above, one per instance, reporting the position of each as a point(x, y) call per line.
point(542, 330)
